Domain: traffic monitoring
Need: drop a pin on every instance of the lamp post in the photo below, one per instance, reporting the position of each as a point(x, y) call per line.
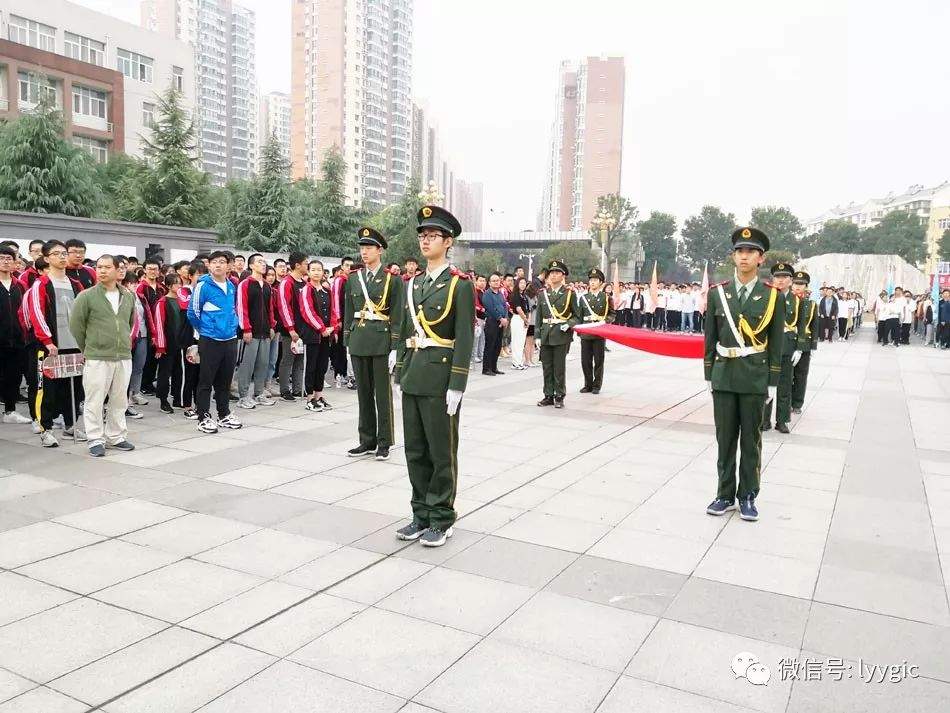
point(604, 221)
point(431, 195)
point(530, 258)
point(638, 260)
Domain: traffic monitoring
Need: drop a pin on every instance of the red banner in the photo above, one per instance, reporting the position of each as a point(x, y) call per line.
point(683, 346)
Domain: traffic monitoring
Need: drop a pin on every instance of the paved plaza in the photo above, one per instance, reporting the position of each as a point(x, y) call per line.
point(256, 571)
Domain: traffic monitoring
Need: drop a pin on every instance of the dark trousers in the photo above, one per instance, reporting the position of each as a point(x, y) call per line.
point(738, 423)
point(150, 369)
point(553, 359)
point(338, 357)
point(290, 369)
point(647, 320)
point(32, 378)
point(189, 389)
point(592, 362)
point(432, 439)
point(698, 321)
point(800, 380)
point(493, 333)
point(882, 331)
point(673, 320)
point(636, 318)
point(215, 370)
point(170, 374)
point(53, 398)
point(317, 361)
point(783, 396)
point(892, 331)
point(826, 328)
point(375, 398)
point(943, 335)
point(12, 362)
point(659, 319)
point(905, 333)
point(842, 327)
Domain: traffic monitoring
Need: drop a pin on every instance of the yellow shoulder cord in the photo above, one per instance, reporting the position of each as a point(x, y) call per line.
point(427, 324)
point(795, 316)
point(380, 306)
point(567, 306)
point(752, 334)
point(601, 317)
point(811, 316)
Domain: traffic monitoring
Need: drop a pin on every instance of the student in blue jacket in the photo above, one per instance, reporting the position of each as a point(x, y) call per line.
point(212, 313)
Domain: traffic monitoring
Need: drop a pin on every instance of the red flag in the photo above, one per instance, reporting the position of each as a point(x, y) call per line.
point(684, 346)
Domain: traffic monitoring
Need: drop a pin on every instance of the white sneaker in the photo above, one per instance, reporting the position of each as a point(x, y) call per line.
point(36, 427)
point(80, 434)
point(208, 425)
point(48, 440)
point(265, 400)
point(247, 402)
point(58, 422)
point(230, 421)
point(17, 418)
point(138, 399)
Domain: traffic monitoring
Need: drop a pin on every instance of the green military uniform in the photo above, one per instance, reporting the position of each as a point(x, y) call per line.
point(370, 333)
point(594, 308)
point(741, 370)
point(794, 340)
point(437, 332)
point(556, 308)
point(800, 372)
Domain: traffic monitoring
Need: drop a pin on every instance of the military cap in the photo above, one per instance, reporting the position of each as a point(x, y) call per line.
point(750, 238)
point(433, 216)
point(782, 269)
point(558, 265)
point(369, 236)
point(801, 277)
point(595, 273)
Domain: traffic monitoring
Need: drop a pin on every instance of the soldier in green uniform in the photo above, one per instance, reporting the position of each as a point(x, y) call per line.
point(793, 344)
point(800, 282)
point(594, 308)
point(557, 314)
point(372, 307)
point(745, 325)
point(437, 332)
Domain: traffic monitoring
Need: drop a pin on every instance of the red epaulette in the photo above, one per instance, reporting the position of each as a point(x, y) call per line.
point(455, 272)
point(769, 284)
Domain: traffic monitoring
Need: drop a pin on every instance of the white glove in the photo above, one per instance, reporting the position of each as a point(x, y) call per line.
point(565, 327)
point(452, 400)
point(392, 359)
point(796, 356)
point(709, 386)
point(773, 390)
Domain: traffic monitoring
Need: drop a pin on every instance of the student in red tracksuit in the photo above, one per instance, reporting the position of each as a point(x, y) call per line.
point(149, 290)
point(256, 320)
point(47, 312)
point(75, 268)
point(288, 323)
point(317, 332)
point(168, 319)
point(337, 349)
point(12, 343)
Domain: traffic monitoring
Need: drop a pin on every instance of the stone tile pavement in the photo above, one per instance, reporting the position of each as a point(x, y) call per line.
point(257, 571)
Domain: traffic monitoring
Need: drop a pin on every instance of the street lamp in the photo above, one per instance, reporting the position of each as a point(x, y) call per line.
point(638, 259)
point(530, 258)
point(604, 221)
point(431, 195)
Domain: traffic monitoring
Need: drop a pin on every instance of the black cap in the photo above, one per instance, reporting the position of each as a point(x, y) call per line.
point(596, 273)
point(782, 269)
point(750, 238)
point(433, 216)
point(370, 236)
point(801, 277)
point(558, 265)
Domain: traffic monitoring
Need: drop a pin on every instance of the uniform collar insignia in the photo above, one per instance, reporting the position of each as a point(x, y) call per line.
point(728, 295)
point(441, 284)
point(756, 297)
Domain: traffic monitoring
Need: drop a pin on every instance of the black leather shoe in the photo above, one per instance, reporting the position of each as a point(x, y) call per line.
point(797, 410)
point(586, 390)
point(766, 426)
point(382, 453)
point(782, 428)
point(497, 373)
point(488, 373)
point(595, 390)
point(558, 402)
point(546, 401)
point(361, 450)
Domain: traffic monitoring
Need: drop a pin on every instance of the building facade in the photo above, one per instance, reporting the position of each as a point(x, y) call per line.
point(275, 119)
point(586, 149)
point(222, 34)
point(104, 74)
point(468, 205)
point(351, 70)
point(930, 205)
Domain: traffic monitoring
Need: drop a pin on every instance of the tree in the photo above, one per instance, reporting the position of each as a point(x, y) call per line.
point(706, 237)
point(781, 225)
point(656, 238)
point(943, 247)
point(836, 236)
point(488, 261)
point(40, 172)
point(898, 233)
point(334, 222)
point(169, 189)
point(109, 176)
point(577, 255)
point(773, 256)
point(624, 214)
point(398, 223)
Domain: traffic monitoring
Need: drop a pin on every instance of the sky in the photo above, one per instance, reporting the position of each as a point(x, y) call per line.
point(735, 103)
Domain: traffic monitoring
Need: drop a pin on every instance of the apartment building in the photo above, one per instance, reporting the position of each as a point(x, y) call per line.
point(275, 119)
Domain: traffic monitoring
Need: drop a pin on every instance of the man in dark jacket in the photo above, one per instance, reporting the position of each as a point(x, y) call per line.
point(827, 315)
point(12, 343)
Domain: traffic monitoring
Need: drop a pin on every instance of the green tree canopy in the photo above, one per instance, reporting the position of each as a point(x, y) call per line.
point(943, 247)
point(619, 238)
point(898, 233)
point(577, 255)
point(656, 235)
point(488, 261)
point(773, 256)
point(335, 223)
point(40, 172)
point(169, 189)
point(781, 225)
point(398, 223)
point(836, 236)
point(706, 237)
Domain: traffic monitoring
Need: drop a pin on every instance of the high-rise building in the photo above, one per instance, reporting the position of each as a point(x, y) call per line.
point(586, 142)
point(223, 36)
point(468, 205)
point(350, 88)
point(275, 119)
point(104, 74)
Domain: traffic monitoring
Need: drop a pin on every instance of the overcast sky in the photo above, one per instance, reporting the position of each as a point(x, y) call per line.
point(737, 103)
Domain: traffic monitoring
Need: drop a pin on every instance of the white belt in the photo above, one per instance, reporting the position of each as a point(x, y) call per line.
point(426, 342)
point(366, 314)
point(554, 320)
point(736, 352)
point(594, 320)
